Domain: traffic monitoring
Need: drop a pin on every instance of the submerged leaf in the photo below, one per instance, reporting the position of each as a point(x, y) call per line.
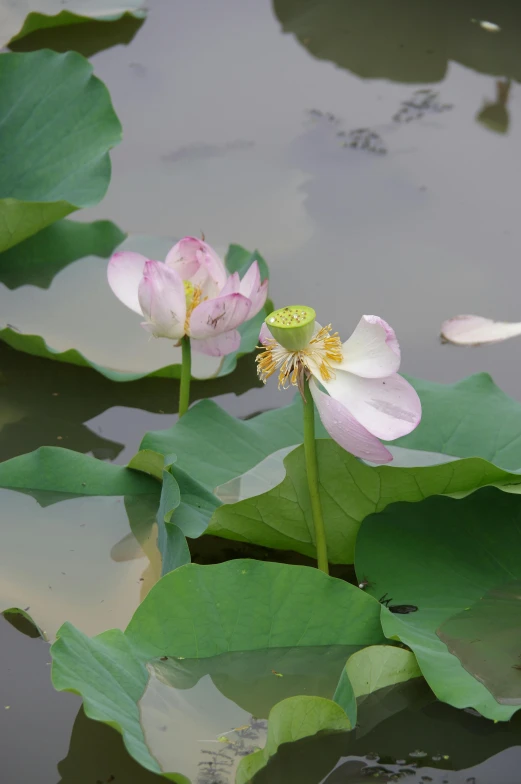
point(486, 638)
point(78, 539)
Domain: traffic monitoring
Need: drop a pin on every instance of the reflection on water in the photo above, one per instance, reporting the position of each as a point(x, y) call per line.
point(411, 234)
point(216, 708)
point(494, 114)
point(407, 41)
point(46, 403)
point(89, 560)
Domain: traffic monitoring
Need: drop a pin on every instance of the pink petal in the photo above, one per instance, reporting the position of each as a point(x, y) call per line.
point(475, 330)
point(252, 288)
point(220, 345)
point(265, 335)
point(163, 301)
point(387, 407)
point(215, 316)
point(183, 257)
point(124, 274)
point(232, 285)
point(346, 431)
point(372, 351)
point(197, 262)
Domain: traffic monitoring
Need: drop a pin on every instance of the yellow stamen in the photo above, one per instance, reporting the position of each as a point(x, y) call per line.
point(322, 350)
point(193, 298)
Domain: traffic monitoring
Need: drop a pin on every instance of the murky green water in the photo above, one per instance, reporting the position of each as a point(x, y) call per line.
point(361, 147)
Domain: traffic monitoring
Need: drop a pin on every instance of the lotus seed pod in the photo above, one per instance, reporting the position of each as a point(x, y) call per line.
point(292, 327)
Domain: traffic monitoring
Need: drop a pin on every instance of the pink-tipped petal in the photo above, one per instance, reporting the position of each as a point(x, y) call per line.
point(220, 345)
point(124, 274)
point(215, 316)
point(372, 351)
point(265, 335)
point(163, 301)
point(255, 289)
point(232, 285)
point(387, 407)
point(346, 430)
point(183, 257)
point(475, 330)
point(197, 262)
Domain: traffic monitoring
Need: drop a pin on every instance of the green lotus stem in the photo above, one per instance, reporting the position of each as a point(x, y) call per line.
point(310, 452)
point(186, 372)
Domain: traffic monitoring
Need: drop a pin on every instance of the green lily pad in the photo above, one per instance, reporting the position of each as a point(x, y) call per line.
point(19, 19)
point(370, 670)
point(472, 418)
point(58, 126)
point(349, 489)
point(290, 720)
point(78, 539)
point(36, 260)
point(198, 612)
point(442, 556)
point(48, 324)
point(486, 638)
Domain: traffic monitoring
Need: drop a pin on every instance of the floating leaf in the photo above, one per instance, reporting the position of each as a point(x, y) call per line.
point(203, 611)
point(290, 720)
point(19, 19)
point(36, 260)
point(47, 324)
point(442, 556)
point(58, 126)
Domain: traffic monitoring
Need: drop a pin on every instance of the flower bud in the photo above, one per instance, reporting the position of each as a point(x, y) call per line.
point(292, 327)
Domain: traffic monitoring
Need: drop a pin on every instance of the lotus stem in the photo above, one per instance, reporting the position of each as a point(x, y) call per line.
point(310, 452)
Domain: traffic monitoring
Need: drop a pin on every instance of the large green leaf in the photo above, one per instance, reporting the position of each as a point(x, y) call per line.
point(78, 539)
point(472, 418)
point(36, 260)
point(58, 126)
point(197, 439)
point(349, 489)
point(291, 720)
point(113, 343)
point(197, 612)
point(442, 556)
point(22, 18)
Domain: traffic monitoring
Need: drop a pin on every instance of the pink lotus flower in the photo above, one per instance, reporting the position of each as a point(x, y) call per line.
point(190, 293)
point(365, 399)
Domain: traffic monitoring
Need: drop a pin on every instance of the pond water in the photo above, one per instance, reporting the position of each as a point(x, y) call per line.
point(364, 149)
